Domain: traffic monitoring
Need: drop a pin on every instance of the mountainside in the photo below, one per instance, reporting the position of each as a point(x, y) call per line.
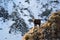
point(16, 15)
point(50, 30)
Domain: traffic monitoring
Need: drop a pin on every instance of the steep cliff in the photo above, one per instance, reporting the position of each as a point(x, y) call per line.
point(50, 30)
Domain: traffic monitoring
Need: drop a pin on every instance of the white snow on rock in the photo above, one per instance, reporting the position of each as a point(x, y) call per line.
point(34, 7)
point(4, 33)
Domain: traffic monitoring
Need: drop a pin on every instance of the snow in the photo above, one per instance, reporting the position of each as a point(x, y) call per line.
point(33, 6)
point(4, 33)
point(10, 7)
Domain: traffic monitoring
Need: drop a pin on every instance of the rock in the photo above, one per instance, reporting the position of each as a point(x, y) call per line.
point(50, 30)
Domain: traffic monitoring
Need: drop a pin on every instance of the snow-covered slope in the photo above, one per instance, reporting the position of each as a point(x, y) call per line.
point(34, 7)
point(4, 32)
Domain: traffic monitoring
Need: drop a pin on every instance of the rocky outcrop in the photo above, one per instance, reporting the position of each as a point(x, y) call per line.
point(50, 30)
